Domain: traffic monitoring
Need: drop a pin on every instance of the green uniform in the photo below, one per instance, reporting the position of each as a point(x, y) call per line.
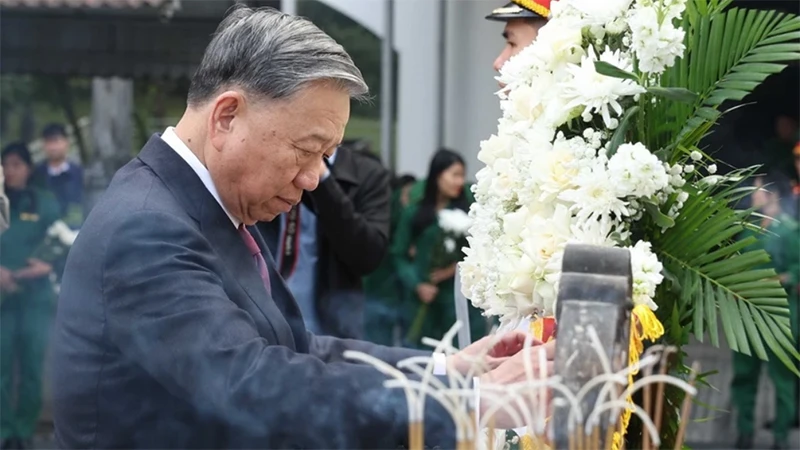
point(784, 249)
point(382, 291)
point(25, 315)
point(416, 269)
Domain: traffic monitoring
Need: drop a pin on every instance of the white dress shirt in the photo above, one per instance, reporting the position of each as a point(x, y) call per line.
point(184, 152)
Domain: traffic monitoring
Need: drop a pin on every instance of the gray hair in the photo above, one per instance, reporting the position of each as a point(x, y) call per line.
point(273, 55)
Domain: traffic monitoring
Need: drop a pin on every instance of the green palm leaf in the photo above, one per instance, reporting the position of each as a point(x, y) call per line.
point(728, 54)
point(721, 280)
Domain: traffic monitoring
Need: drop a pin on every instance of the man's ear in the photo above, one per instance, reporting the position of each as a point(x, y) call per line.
point(224, 111)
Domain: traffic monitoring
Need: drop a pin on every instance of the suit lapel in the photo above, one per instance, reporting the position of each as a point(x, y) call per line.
point(226, 240)
point(283, 297)
point(187, 187)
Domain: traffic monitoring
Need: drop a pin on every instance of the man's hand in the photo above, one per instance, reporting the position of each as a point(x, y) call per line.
point(36, 269)
point(512, 371)
point(495, 350)
point(427, 292)
point(7, 283)
point(439, 275)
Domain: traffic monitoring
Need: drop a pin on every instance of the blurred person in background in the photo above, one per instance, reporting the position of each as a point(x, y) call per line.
point(423, 259)
point(27, 297)
point(383, 322)
point(63, 177)
point(338, 234)
point(796, 177)
point(3, 205)
point(781, 241)
point(778, 149)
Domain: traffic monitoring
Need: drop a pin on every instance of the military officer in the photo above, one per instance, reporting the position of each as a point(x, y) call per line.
point(523, 19)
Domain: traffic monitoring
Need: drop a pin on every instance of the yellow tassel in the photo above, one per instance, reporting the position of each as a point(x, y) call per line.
point(527, 442)
point(651, 327)
point(644, 325)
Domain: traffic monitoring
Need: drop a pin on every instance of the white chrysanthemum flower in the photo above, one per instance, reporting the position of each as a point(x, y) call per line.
point(634, 171)
point(543, 242)
point(554, 171)
point(454, 221)
point(673, 9)
point(594, 12)
point(595, 195)
point(598, 232)
point(595, 92)
point(646, 274)
point(654, 39)
point(617, 26)
point(557, 44)
point(521, 68)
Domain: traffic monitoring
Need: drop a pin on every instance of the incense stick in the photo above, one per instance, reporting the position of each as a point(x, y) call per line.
point(660, 392)
point(686, 408)
point(416, 440)
point(648, 410)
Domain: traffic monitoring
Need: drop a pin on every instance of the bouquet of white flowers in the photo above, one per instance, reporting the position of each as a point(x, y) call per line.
point(599, 144)
point(454, 226)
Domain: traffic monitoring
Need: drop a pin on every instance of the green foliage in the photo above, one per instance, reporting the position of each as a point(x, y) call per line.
point(719, 277)
point(728, 54)
point(712, 276)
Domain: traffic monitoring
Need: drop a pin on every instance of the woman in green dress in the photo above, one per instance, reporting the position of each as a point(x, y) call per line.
point(383, 323)
point(425, 268)
point(782, 242)
point(27, 299)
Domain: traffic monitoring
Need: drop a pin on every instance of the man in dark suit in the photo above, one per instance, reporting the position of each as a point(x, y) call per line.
point(173, 329)
point(336, 236)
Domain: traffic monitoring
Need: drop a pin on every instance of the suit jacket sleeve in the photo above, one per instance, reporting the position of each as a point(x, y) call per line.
point(363, 224)
point(167, 311)
point(331, 349)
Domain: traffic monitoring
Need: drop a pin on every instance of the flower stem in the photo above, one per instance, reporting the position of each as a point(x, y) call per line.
point(416, 326)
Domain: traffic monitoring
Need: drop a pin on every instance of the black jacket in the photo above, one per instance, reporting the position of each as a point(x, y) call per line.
point(353, 208)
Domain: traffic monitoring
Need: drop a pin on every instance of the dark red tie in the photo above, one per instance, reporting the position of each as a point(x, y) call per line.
point(257, 256)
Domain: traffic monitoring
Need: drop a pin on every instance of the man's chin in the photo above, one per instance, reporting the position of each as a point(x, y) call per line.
point(267, 217)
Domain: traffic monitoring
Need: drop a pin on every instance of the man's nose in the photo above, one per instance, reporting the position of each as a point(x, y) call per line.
point(498, 63)
point(307, 179)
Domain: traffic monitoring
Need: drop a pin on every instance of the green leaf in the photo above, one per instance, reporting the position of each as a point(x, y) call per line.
point(752, 331)
point(728, 54)
point(777, 293)
point(618, 138)
point(673, 93)
point(779, 344)
point(699, 314)
point(711, 314)
point(722, 282)
point(659, 218)
point(610, 70)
